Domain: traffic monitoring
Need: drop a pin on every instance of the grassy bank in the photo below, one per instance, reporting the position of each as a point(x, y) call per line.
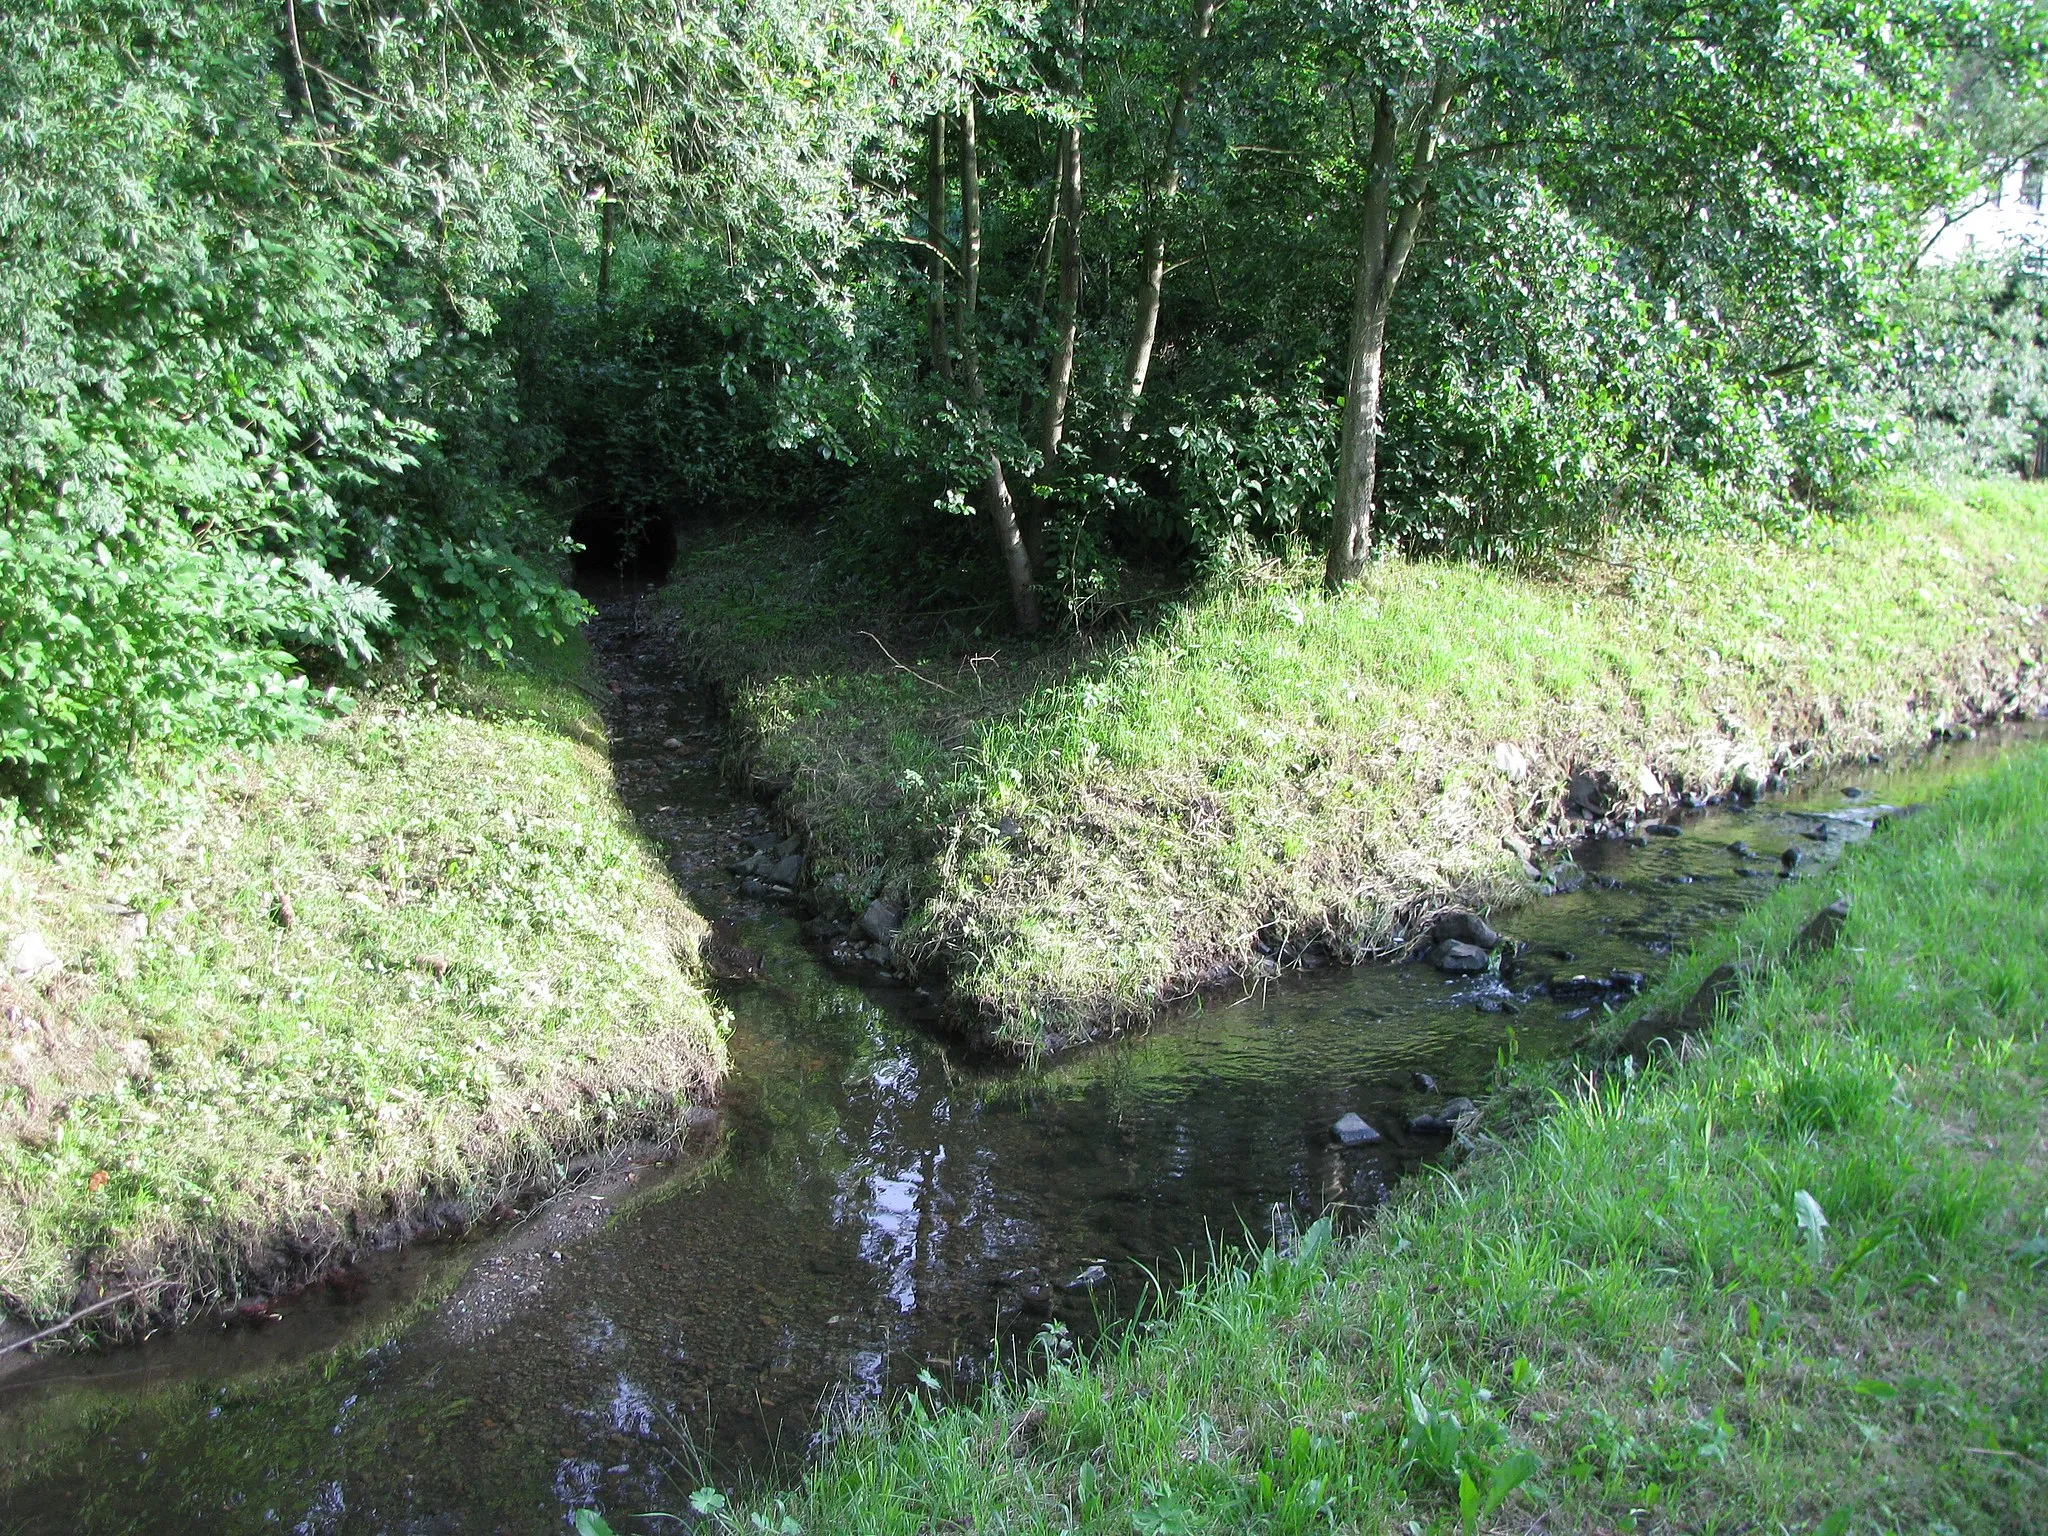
point(401, 967)
point(1795, 1282)
point(1083, 829)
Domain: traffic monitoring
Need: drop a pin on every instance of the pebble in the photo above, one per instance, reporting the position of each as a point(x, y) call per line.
point(29, 955)
point(1352, 1131)
point(1664, 829)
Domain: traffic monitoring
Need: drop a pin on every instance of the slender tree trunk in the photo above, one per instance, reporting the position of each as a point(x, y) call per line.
point(970, 216)
point(935, 233)
point(1152, 275)
point(300, 89)
point(998, 505)
point(1388, 237)
point(606, 228)
point(1059, 380)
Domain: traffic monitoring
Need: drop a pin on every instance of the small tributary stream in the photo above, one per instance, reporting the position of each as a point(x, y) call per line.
point(870, 1213)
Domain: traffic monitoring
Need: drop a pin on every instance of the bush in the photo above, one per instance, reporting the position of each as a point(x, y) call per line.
point(145, 636)
point(234, 332)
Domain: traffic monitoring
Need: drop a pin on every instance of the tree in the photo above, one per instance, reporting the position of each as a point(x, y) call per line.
point(1165, 188)
point(1745, 144)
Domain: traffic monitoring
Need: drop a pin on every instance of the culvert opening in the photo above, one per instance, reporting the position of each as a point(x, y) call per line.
point(622, 546)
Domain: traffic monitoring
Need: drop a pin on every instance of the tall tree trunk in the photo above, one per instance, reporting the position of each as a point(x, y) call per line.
point(935, 234)
point(607, 225)
point(1388, 237)
point(997, 504)
point(1059, 380)
point(299, 89)
point(1152, 275)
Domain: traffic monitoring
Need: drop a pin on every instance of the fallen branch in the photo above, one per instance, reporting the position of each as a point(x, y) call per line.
point(83, 1312)
point(902, 668)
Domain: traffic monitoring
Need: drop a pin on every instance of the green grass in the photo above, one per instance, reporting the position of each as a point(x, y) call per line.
point(1088, 828)
point(1624, 1313)
point(483, 970)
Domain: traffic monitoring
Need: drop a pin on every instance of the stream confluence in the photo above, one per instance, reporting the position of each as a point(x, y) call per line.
point(871, 1213)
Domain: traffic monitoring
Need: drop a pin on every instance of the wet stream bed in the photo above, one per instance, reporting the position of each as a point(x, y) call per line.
point(870, 1212)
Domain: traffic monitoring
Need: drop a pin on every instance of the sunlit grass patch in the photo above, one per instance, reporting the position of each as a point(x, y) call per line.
point(1088, 828)
point(419, 957)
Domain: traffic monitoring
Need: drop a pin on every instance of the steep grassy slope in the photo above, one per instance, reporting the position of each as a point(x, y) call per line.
point(414, 960)
point(1081, 830)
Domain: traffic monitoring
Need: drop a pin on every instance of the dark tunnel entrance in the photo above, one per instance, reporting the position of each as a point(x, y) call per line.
point(618, 546)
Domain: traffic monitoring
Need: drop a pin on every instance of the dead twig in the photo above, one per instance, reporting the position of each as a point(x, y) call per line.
point(900, 667)
point(82, 1313)
point(2032, 1466)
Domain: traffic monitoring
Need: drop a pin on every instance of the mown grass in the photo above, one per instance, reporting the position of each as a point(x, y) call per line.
point(417, 958)
point(1794, 1282)
point(1087, 828)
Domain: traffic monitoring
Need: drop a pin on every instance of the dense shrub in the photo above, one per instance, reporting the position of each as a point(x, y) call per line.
point(657, 396)
point(1969, 366)
point(224, 341)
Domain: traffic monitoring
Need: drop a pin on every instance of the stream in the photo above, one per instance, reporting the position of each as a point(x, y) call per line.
point(870, 1212)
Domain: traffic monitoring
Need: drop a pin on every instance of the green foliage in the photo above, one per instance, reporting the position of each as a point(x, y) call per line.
point(1969, 367)
point(653, 397)
point(229, 331)
point(124, 639)
point(252, 419)
point(1661, 263)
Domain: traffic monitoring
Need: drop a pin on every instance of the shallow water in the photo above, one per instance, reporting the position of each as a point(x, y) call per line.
point(871, 1212)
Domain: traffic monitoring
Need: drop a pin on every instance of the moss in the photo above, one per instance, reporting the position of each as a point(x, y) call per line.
point(1091, 827)
point(417, 958)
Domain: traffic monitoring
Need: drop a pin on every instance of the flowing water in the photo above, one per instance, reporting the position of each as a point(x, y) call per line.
point(870, 1213)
